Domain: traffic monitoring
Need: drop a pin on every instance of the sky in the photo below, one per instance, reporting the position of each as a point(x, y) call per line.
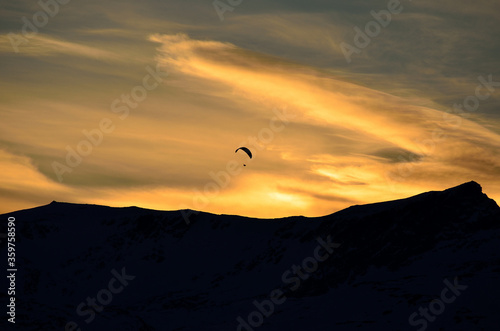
point(127, 103)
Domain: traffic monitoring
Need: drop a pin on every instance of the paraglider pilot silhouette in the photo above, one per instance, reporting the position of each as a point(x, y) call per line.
point(246, 150)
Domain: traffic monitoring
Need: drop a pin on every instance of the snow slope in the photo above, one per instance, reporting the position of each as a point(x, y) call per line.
point(389, 259)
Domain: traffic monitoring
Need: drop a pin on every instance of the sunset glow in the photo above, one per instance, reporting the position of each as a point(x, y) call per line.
point(119, 106)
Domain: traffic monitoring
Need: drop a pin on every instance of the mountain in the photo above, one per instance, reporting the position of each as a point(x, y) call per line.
point(431, 261)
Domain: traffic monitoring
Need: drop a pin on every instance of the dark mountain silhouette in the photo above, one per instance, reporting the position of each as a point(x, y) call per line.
point(433, 259)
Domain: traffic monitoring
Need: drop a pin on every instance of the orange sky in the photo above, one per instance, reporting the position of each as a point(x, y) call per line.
point(152, 112)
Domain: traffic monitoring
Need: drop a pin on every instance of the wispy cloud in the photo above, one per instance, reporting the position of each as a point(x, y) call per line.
point(22, 184)
point(385, 121)
point(45, 45)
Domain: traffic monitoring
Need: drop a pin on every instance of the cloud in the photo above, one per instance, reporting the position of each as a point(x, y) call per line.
point(23, 185)
point(378, 120)
point(45, 45)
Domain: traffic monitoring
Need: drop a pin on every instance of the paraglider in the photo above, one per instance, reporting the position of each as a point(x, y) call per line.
point(246, 150)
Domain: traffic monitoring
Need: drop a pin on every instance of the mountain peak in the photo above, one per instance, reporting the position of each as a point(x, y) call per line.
point(471, 187)
point(470, 193)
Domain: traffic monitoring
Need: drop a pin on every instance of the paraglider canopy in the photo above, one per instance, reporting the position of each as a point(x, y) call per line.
point(246, 150)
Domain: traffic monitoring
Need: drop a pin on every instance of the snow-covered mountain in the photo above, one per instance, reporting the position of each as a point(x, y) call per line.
point(431, 261)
